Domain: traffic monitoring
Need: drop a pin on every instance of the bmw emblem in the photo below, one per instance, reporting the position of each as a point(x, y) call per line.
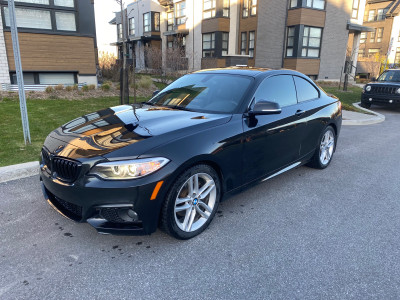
point(195, 201)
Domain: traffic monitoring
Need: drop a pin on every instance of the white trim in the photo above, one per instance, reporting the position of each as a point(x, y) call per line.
point(283, 171)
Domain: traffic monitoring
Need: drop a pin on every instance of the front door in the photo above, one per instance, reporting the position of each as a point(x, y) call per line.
point(272, 142)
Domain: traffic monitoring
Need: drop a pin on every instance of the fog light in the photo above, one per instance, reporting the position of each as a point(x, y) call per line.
point(370, 99)
point(127, 214)
point(390, 101)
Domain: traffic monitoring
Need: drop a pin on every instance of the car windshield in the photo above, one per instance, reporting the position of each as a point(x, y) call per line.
point(214, 93)
point(393, 76)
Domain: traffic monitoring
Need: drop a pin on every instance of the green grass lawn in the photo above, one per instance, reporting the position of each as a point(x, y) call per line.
point(44, 116)
point(353, 95)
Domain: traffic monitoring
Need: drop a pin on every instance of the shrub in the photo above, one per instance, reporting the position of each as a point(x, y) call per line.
point(69, 88)
point(118, 87)
point(91, 87)
point(145, 82)
point(75, 87)
point(105, 87)
point(49, 89)
point(85, 88)
point(59, 87)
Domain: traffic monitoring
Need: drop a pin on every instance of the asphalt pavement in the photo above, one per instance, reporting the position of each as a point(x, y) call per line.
point(306, 234)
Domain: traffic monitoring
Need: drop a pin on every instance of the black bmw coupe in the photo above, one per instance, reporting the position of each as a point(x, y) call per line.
point(170, 161)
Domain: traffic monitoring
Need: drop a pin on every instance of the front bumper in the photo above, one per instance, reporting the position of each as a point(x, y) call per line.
point(381, 99)
point(100, 202)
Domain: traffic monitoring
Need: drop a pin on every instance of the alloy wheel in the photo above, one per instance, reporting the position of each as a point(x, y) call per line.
point(326, 148)
point(195, 202)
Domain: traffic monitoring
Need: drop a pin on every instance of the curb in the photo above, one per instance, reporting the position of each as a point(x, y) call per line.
point(19, 171)
point(375, 119)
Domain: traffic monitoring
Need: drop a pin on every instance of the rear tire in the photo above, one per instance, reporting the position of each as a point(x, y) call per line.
point(324, 152)
point(191, 202)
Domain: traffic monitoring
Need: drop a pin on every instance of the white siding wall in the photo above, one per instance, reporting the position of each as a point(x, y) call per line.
point(4, 71)
point(395, 36)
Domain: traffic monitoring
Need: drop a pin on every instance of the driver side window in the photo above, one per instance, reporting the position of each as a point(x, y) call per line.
point(279, 89)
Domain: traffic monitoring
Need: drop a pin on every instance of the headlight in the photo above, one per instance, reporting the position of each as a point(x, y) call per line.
point(368, 88)
point(398, 91)
point(128, 169)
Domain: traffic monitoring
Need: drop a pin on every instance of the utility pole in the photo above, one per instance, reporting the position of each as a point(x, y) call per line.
point(18, 70)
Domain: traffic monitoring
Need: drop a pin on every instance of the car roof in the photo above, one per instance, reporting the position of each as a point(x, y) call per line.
point(247, 71)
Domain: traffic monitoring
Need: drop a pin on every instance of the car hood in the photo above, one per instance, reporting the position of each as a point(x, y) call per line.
point(392, 83)
point(140, 129)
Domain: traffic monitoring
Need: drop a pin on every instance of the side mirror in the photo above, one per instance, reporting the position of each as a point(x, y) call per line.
point(373, 79)
point(265, 108)
point(155, 93)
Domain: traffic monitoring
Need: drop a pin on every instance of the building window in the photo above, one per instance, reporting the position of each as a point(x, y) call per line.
point(363, 37)
point(356, 5)
point(318, 4)
point(209, 44)
point(146, 22)
point(225, 43)
point(170, 21)
point(381, 15)
point(156, 21)
point(290, 41)
point(42, 2)
point(372, 38)
point(361, 53)
point(397, 57)
point(180, 12)
point(65, 21)
point(253, 7)
point(225, 8)
point(65, 3)
point(379, 35)
point(311, 41)
point(373, 50)
point(170, 45)
point(243, 45)
point(209, 8)
point(132, 26)
point(30, 18)
point(245, 9)
point(371, 15)
point(252, 40)
point(119, 31)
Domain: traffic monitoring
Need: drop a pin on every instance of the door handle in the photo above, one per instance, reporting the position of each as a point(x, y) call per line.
point(299, 112)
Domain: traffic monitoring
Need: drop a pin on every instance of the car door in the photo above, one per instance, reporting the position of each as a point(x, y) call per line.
point(309, 102)
point(273, 141)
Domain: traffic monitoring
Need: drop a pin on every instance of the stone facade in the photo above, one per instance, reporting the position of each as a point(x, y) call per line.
point(4, 70)
point(334, 40)
point(271, 33)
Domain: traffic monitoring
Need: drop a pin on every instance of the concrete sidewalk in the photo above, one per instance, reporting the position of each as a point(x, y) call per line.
point(355, 118)
point(32, 168)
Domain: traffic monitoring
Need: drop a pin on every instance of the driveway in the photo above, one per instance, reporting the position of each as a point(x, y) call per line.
point(306, 234)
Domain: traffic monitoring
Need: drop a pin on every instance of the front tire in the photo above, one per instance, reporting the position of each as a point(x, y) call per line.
point(365, 105)
point(191, 203)
point(324, 152)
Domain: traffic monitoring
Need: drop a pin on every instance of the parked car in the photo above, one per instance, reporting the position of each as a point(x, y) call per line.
point(383, 91)
point(170, 162)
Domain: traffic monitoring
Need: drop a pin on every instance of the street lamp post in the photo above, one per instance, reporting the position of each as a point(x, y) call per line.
point(18, 70)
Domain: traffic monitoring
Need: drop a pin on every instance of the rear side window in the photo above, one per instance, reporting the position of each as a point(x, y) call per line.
point(279, 89)
point(305, 90)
